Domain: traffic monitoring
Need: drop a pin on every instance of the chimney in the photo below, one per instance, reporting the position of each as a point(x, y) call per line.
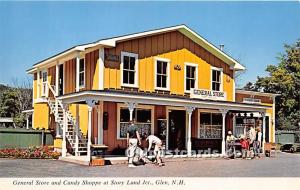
point(221, 47)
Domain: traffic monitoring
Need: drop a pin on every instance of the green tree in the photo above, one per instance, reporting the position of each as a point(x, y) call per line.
point(284, 79)
point(8, 104)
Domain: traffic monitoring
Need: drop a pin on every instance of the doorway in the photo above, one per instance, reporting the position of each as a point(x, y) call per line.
point(61, 80)
point(267, 130)
point(177, 130)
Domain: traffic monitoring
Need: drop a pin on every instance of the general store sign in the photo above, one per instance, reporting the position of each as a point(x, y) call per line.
point(207, 94)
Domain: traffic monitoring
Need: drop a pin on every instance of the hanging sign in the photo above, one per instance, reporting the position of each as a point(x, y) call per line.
point(207, 94)
point(251, 100)
point(111, 57)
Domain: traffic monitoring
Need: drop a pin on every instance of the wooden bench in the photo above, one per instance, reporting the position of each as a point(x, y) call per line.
point(268, 148)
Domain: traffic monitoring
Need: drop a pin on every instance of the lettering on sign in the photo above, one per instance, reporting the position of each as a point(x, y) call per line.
point(207, 94)
point(111, 57)
point(249, 121)
point(251, 100)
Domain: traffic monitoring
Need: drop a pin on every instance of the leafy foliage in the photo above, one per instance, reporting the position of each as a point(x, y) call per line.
point(8, 106)
point(284, 79)
point(13, 100)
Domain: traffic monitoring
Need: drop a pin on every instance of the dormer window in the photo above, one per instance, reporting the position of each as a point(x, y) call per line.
point(216, 79)
point(129, 69)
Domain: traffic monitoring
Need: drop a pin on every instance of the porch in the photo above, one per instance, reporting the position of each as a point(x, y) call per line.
point(107, 122)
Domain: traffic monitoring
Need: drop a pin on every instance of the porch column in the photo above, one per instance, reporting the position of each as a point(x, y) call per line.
point(65, 125)
point(263, 115)
point(100, 123)
point(77, 73)
point(224, 112)
point(27, 121)
point(189, 110)
point(131, 106)
point(91, 103)
point(77, 135)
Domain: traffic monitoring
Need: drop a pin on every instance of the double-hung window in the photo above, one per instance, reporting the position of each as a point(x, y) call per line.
point(81, 73)
point(143, 117)
point(44, 83)
point(162, 74)
point(191, 76)
point(216, 80)
point(129, 69)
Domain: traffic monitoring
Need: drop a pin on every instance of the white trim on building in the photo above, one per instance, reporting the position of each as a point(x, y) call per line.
point(168, 61)
point(186, 64)
point(136, 69)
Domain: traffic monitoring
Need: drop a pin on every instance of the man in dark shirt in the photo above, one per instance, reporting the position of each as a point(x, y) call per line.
point(133, 138)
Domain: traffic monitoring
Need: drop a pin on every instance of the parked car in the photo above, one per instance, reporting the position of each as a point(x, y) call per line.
point(293, 147)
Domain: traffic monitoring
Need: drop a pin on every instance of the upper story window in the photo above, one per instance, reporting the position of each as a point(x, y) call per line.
point(44, 82)
point(162, 74)
point(81, 73)
point(216, 80)
point(191, 76)
point(129, 69)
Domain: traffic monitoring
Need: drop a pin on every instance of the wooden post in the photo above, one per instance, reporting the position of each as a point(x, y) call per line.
point(224, 112)
point(189, 110)
point(91, 103)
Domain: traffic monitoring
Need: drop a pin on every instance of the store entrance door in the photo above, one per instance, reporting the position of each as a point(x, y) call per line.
point(177, 130)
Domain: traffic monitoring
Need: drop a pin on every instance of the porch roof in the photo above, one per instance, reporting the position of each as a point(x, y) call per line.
point(159, 99)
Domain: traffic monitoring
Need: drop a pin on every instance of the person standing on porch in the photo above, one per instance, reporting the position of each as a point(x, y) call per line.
point(133, 139)
point(257, 142)
point(230, 140)
point(251, 134)
point(152, 139)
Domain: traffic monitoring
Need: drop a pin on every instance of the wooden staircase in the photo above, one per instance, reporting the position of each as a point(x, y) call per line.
point(74, 135)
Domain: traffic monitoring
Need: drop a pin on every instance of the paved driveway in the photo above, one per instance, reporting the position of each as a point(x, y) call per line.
point(284, 165)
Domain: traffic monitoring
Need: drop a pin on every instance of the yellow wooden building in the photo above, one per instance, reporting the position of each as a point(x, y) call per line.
point(172, 81)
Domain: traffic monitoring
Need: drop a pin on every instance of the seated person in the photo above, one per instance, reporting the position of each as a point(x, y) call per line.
point(230, 139)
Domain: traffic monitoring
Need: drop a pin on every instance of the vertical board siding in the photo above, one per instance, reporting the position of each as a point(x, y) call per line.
point(91, 60)
point(69, 76)
point(51, 79)
point(174, 46)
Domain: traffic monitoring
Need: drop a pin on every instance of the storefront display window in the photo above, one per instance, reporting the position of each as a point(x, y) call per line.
point(210, 126)
point(142, 119)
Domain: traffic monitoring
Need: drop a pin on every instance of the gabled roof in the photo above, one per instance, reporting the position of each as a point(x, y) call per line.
point(111, 42)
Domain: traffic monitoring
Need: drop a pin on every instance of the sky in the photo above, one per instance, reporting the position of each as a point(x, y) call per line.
point(253, 32)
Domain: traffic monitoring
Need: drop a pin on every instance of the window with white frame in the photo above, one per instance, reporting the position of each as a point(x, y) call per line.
point(143, 121)
point(81, 73)
point(129, 69)
point(216, 80)
point(44, 82)
point(162, 74)
point(191, 72)
point(210, 125)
